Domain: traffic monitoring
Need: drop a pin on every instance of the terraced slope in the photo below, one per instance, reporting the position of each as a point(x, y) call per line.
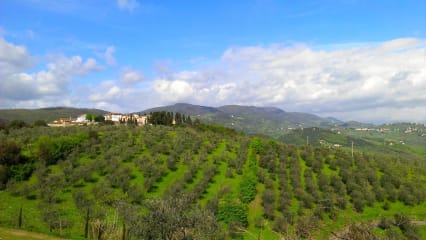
point(111, 182)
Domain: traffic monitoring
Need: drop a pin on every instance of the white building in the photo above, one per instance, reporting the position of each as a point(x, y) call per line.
point(81, 119)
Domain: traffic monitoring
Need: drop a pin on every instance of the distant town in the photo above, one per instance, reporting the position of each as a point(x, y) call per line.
point(110, 118)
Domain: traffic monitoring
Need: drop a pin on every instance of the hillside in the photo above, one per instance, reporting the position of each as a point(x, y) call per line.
point(400, 139)
point(122, 182)
point(268, 121)
point(46, 114)
point(404, 140)
point(187, 109)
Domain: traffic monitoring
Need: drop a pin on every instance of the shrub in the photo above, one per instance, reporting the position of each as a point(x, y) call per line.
point(280, 225)
point(268, 200)
point(233, 212)
point(248, 188)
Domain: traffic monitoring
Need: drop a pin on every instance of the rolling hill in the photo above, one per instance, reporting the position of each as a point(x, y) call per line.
point(125, 182)
point(269, 121)
point(393, 142)
point(401, 139)
point(46, 114)
point(290, 127)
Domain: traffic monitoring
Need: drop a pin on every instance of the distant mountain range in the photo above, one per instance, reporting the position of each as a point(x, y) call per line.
point(269, 121)
point(252, 120)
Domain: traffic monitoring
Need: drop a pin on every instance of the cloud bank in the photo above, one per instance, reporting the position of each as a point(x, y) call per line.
point(19, 88)
point(369, 82)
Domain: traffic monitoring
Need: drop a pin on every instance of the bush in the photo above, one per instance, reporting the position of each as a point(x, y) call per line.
point(280, 225)
point(13, 164)
point(305, 226)
point(248, 188)
point(52, 150)
point(21, 172)
point(268, 200)
point(40, 123)
point(385, 223)
point(16, 124)
point(171, 163)
point(233, 212)
point(257, 145)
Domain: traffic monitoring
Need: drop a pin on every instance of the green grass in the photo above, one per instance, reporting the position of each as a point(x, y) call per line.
point(374, 213)
point(168, 180)
point(327, 170)
point(220, 180)
point(256, 212)
point(422, 231)
point(9, 210)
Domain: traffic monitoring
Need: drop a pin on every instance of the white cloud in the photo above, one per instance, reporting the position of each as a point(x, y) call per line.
point(172, 91)
point(379, 78)
point(109, 55)
point(113, 96)
point(371, 82)
point(129, 5)
point(13, 58)
point(130, 76)
point(45, 87)
point(110, 93)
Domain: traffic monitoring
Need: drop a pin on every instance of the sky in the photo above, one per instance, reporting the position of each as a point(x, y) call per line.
point(362, 60)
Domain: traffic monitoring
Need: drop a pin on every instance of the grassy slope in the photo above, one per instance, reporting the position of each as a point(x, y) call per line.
point(9, 205)
point(392, 142)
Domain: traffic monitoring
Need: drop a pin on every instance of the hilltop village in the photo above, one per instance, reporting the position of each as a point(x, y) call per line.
point(110, 118)
point(154, 118)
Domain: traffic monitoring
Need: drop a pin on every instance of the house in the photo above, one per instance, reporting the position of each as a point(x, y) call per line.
point(62, 122)
point(114, 117)
point(142, 120)
point(118, 118)
point(81, 119)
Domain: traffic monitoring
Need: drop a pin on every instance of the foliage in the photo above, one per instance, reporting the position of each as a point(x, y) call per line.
point(13, 165)
point(16, 124)
point(89, 117)
point(112, 181)
point(169, 119)
point(232, 212)
point(248, 188)
point(52, 150)
point(40, 123)
point(174, 218)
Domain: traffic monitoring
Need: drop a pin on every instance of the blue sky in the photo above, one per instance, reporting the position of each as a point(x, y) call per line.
point(359, 60)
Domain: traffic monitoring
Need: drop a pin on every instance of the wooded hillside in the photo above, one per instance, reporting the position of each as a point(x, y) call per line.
point(198, 182)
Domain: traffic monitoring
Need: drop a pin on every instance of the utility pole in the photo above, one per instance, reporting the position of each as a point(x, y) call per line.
point(352, 150)
point(307, 140)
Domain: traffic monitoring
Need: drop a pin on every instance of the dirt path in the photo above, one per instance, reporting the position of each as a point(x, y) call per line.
point(420, 223)
point(14, 234)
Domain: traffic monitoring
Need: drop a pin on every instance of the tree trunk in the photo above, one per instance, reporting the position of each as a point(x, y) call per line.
point(60, 226)
point(20, 218)
point(86, 226)
point(99, 233)
point(123, 237)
